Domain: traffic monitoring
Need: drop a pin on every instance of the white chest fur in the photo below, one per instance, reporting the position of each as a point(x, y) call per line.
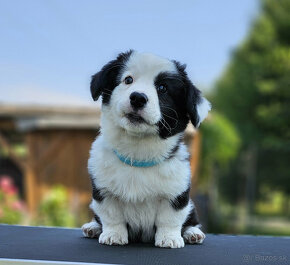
point(134, 184)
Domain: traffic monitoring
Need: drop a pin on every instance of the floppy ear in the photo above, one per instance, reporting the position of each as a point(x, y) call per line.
point(106, 79)
point(197, 106)
point(96, 85)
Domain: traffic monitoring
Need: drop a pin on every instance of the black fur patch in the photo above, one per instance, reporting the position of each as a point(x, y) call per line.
point(174, 116)
point(96, 192)
point(181, 200)
point(98, 220)
point(191, 220)
point(174, 150)
point(104, 82)
point(97, 196)
point(193, 95)
point(134, 236)
point(178, 104)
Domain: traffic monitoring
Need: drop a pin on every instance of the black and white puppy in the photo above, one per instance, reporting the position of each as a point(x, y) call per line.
point(139, 167)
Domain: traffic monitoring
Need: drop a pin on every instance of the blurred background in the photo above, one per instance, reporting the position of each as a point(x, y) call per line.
point(237, 53)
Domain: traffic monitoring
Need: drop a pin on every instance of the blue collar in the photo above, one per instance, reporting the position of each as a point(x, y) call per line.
point(136, 163)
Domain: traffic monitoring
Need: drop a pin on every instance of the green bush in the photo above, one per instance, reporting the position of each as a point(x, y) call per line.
point(54, 210)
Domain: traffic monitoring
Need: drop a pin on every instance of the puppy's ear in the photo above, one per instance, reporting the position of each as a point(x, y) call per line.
point(197, 106)
point(96, 85)
point(107, 78)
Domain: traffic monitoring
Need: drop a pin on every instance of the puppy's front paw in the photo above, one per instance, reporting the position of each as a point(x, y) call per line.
point(193, 235)
point(111, 237)
point(169, 241)
point(92, 229)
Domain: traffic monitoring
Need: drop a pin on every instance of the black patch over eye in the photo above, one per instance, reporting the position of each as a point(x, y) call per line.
point(171, 90)
point(128, 80)
point(162, 89)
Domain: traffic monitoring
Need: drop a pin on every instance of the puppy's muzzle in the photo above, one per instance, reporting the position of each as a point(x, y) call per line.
point(138, 100)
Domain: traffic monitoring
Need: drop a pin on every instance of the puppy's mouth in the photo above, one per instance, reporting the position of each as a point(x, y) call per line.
point(135, 118)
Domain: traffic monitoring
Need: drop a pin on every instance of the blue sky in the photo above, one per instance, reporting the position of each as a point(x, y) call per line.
point(49, 49)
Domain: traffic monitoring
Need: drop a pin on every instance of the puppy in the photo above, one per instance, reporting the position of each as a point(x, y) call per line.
point(139, 166)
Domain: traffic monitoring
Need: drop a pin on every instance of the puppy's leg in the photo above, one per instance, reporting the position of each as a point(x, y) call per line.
point(92, 229)
point(114, 229)
point(169, 222)
point(191, 228)
point(193, 235)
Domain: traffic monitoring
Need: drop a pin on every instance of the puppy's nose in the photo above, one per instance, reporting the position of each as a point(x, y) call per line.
point(138, 100)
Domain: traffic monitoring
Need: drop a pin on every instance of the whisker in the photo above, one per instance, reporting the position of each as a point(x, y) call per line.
point(164, 106)
point(167, 124)
point(169, 130)
point(107, 90)
point(106, 94)
point(170, 117)
point(176, 122)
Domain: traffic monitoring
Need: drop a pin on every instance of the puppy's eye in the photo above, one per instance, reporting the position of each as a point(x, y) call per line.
point(128, 80)
point(162, 89)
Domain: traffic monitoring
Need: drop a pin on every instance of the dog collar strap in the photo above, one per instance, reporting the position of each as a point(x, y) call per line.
point(136, 163)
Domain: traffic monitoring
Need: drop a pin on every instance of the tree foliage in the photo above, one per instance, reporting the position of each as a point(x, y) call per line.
point(220, 143)
point(254, 92)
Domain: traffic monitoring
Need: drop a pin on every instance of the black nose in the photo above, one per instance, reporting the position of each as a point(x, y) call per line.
point(138, 100)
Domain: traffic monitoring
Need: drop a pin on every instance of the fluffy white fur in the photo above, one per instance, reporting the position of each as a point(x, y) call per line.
point(138, 196)
point(202, 109)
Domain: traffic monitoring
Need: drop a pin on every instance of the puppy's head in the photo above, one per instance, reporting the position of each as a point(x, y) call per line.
point(146, 94)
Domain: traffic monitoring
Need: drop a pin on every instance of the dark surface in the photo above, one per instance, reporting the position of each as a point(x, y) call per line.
point(69, 245)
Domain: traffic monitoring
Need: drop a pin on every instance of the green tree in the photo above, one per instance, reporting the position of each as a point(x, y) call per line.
point(254, 93)
point(220, 144)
